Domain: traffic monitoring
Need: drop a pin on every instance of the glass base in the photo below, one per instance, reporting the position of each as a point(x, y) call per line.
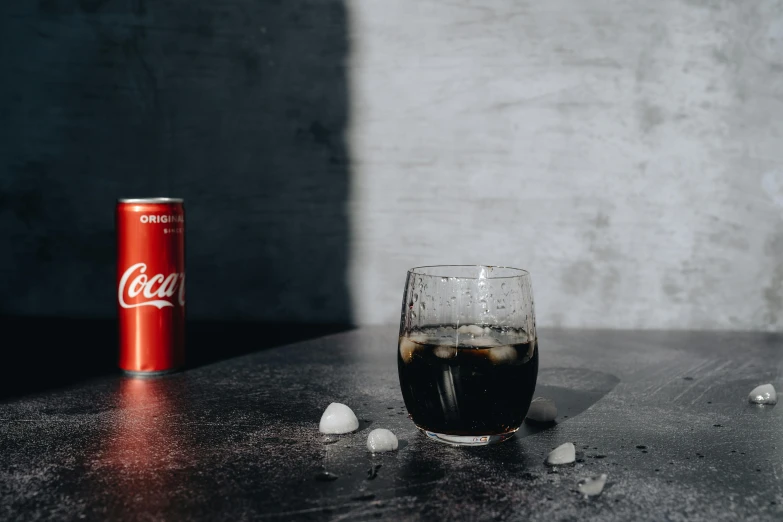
point(468, 440)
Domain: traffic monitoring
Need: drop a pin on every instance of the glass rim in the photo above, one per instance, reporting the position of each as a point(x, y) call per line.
point(521, 272)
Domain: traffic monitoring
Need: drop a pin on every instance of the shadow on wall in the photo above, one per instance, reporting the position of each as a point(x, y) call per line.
point(237, 106)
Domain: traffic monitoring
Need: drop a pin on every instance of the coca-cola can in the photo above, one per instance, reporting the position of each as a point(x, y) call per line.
point(151, 285)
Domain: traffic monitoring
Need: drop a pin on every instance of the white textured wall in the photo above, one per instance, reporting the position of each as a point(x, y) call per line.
point(627, 153)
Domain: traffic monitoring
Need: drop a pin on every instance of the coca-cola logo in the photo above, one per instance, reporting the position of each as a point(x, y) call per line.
point(157, 290)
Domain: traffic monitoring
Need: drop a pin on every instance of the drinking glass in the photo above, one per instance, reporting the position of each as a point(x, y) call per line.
point(468, 352)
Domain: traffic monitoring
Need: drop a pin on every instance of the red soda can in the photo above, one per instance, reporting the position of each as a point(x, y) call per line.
point(151, 285)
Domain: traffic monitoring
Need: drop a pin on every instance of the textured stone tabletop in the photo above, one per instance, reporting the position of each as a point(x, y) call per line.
point(664, 414)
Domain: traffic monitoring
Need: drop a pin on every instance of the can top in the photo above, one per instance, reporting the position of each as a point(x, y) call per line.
point(149, 200)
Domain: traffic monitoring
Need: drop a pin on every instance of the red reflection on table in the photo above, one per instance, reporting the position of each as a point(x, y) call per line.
point(143, 439)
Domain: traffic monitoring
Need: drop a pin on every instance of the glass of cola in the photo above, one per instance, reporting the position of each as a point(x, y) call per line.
point(468, 353)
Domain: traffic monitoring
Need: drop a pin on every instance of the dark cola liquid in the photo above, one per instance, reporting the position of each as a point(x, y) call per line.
point(471, 381)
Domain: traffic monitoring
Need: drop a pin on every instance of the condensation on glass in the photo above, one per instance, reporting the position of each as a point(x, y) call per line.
point(468, 351)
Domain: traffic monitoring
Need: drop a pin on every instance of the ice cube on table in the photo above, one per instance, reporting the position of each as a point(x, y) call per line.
point(764, 394)
point(338, 419)
point(563, 454)
point(380, 440)
point(542, 410)
point(593, 486)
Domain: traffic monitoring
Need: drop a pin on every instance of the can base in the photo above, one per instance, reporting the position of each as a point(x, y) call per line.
point(143, 375)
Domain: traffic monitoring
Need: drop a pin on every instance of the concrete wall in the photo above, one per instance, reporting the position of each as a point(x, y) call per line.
point(628, 154)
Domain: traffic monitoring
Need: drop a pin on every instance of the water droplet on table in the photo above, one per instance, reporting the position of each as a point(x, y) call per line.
point(325, 476)
point(593, 486)
point(373, 472)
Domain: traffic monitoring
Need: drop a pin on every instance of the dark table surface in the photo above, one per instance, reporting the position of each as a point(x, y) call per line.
point(239, 439)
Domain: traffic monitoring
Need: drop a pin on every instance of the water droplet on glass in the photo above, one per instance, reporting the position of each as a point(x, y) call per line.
point(413, 314)
point(415, 297)
point(423, 305)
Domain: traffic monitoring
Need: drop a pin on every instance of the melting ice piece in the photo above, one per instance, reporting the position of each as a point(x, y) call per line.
point(542, 410)
point(497, 353)
point(502, 354)
point(380, 440)
point(445, 351)
point(409, 346)
point(338, 418)
point(593, 486)
point(563, 454)
point(764, 394)
point(472, 329)
point(479, 342)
